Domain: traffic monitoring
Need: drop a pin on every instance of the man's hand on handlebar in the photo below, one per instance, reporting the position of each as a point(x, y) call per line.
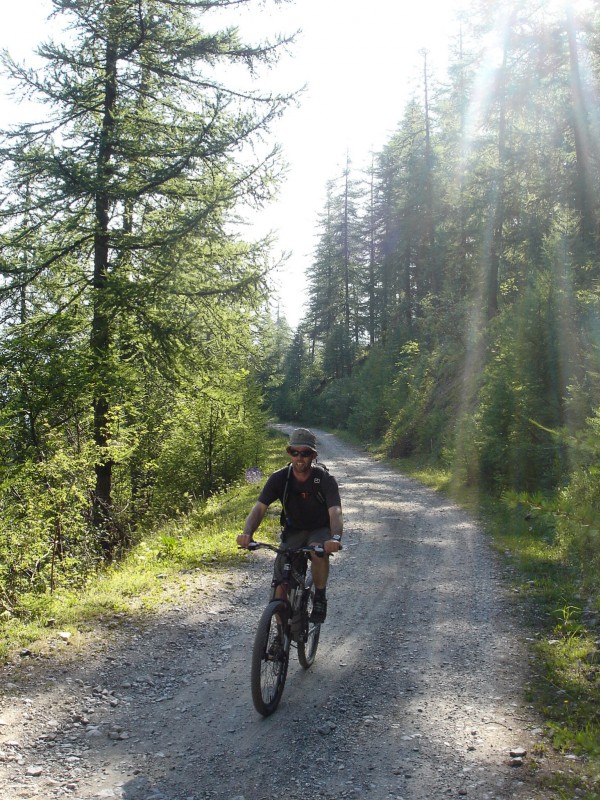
point(331, 546)
point(244, 540)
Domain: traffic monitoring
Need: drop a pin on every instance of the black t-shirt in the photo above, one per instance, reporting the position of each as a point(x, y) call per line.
point(307, 503)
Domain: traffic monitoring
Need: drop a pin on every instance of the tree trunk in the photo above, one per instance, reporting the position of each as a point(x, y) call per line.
point(100, 334)
point(371, 286)
point(492, 276)
point(347, 366)
point(584, 193)
point(430, 223)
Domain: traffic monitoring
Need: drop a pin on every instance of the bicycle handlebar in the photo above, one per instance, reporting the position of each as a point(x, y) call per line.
point(317, 549)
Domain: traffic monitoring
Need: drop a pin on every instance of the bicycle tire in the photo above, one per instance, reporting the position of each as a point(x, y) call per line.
point(307, 649)
point(270, 658)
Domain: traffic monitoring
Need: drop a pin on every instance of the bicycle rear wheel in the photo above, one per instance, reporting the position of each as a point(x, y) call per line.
point(307, 648)
point(270, 658)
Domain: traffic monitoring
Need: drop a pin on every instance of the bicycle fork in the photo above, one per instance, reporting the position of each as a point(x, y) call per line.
point(279, 646)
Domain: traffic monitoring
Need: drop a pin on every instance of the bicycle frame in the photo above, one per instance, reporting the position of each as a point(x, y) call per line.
point(293, 580)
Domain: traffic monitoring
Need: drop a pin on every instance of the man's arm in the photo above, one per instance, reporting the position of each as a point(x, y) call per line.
point(336, 525)
point(336, 522)
point(253, 520)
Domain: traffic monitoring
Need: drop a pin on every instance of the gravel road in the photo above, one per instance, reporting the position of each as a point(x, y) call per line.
point(416, 692)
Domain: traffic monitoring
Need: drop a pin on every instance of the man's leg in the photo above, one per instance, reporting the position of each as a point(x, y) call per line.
point(320, 570)
point(320, 573)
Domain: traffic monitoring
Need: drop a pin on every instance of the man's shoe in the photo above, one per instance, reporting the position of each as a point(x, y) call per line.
point(319, 610)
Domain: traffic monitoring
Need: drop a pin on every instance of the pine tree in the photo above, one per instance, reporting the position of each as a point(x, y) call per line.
point(132, 178)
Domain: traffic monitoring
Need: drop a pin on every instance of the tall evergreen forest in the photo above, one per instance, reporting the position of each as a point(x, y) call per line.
point(454, 295)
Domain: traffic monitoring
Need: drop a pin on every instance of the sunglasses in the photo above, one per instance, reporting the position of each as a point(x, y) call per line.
point(301, 453)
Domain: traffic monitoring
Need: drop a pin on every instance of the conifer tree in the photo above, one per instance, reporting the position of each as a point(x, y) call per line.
point(132, 177)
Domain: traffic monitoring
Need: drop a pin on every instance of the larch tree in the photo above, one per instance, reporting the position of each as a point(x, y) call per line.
point(123, 194)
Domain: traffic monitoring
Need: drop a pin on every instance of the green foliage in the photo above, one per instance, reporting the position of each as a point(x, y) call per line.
point(46, 540)
point(334, 404)
point(152, 572)
point(426, 388)
point(120, 274)
point(521, 402)
point(578, 514)
point(569, 621)
point(367, 396)
point(129, 307)
point(571, 710)
point(208, 442)
point(168, 547)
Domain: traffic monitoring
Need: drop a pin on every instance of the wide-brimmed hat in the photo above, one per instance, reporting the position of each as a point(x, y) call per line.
point(302, 437)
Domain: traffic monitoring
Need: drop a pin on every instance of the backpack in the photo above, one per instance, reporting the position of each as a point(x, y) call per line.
point(316, 480)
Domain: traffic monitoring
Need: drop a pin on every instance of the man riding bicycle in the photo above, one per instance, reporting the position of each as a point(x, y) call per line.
point(311, 513)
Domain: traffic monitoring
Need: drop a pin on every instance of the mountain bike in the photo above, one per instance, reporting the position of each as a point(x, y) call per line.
point(284, 623)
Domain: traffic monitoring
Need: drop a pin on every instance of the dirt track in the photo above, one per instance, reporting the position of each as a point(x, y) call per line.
point(416, 693)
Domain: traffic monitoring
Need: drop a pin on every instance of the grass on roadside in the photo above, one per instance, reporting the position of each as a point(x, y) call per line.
point(152, 573)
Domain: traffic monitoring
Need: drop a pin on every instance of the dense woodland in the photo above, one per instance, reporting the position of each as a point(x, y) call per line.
point(454, 305)
point(454, 309)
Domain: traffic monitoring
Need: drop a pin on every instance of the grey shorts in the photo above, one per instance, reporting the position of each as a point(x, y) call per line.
point(298, 539)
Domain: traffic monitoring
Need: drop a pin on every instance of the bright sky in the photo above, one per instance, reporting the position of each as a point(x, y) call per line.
point(360, 60)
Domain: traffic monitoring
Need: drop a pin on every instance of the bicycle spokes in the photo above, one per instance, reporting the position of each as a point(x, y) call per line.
point(270, 659)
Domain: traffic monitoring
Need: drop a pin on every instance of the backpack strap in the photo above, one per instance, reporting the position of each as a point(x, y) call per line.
point(286, 491)
point(317, 482)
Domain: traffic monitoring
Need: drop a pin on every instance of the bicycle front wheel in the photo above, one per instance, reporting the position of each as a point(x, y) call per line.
point(270, 658)
point(307, 647)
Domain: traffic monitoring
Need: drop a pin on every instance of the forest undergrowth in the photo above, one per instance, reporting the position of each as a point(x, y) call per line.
point(150, 574)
